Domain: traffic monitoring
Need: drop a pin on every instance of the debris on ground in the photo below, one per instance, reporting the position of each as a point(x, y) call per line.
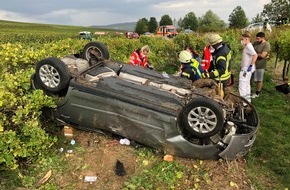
point(168, 158)
point(72, 142)
point(112, 143)
point(125, 141)
point(68, 131)
point(44, 179)
point(120, 170)
point(90, 179)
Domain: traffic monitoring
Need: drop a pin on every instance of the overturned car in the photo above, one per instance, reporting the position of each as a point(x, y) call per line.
point(155, 109)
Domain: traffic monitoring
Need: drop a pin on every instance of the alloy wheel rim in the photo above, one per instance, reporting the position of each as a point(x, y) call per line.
point(49, 76)
point(202, 119)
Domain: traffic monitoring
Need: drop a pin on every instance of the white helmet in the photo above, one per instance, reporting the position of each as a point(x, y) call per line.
point(214, 39)
point(184, 56)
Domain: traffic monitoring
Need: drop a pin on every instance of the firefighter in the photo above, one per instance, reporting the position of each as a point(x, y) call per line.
point(190, 67)
point(220, 68)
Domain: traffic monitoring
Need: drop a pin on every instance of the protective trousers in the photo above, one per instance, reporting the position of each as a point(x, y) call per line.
point(245, 84)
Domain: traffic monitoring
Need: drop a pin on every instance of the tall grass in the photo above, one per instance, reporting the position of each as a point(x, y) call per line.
point(269, 159)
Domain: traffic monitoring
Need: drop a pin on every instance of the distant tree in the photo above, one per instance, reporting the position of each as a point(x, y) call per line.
point(238, 18)
point(152, 24)
point(189, 21)
point(277, 8)
point(174, 22)
point(210, 22)
point(179, 22)
point(165, 20)
point(257, 18)
point(141, 26)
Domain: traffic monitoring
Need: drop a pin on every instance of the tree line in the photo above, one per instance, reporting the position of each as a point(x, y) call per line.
point(211, 22)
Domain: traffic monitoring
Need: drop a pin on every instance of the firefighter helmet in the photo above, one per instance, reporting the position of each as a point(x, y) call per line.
point(184, 56)
point(214, 39)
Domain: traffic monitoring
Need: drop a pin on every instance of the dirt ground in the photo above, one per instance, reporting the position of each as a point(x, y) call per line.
point(96, 155)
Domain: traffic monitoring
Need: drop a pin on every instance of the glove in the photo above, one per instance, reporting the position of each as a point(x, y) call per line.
point(249, 68)
point(205, 75)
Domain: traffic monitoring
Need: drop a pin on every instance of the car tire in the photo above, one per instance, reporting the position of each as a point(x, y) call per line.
point(34, 83)
point(52, 75)
point(95, 49)
point(202, 118)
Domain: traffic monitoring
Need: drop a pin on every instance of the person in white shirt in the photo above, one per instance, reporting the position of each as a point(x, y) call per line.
point(268, 27)
point(247, 66)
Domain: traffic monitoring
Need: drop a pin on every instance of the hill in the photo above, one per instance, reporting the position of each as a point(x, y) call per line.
point(8, 27)
point(127, 26)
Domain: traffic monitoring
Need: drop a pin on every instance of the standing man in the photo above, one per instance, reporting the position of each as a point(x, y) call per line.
point(249, 58)
point(220, 69)
point(262, 47)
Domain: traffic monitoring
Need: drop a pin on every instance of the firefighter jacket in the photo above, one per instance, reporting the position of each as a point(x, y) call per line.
point(192, 70)
point(220, 69)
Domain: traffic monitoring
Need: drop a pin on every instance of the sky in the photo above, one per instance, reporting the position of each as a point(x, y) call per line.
point(105, 12)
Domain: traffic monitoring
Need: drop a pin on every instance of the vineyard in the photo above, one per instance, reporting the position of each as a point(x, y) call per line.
point(26, 140)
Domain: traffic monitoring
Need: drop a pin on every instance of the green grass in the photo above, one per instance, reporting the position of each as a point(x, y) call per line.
point(269, 159)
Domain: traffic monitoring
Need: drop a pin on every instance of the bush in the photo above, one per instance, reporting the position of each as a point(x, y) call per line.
point(22, 138)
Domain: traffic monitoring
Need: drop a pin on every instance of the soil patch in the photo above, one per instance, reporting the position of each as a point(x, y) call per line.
point(96, 155)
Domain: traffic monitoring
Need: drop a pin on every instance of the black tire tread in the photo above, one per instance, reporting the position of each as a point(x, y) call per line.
point(205, 102)
point(60, 66)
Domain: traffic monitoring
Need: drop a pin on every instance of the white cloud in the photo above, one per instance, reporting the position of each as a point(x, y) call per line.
point(13, 16)
point(97, 12)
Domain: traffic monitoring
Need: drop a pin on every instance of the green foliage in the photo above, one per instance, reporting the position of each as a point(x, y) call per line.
point(165, 20)
point(163, 52)
point(283, 43)
point(257, 18)
point(189, 21)
point(210, 22)
point(163, 55)
point(272, 138)
point(141, 26)
point(158, 174)
point(232, 39)
point(152, 24)
point(20, 128)
point(273, 109)
point(121, 48)
point(22, 136)
point(238, 18)
point(276, 8)
point(197, 42)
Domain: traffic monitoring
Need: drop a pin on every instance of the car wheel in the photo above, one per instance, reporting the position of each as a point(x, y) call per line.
point(95, 49)
point(202, 118)
point(34, 83)
point(52, 74)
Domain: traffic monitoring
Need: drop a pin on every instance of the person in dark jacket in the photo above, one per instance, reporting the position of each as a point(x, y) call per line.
point(220, 69)
point(190, 67)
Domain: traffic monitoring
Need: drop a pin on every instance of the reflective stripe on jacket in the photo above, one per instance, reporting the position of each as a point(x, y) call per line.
point(192, 70)
point(221, 64)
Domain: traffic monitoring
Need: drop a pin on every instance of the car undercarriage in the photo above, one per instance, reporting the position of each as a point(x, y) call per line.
point(155, 109)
